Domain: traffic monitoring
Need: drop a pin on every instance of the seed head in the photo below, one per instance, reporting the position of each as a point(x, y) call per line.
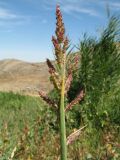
point(60, 30)
point(60, 41)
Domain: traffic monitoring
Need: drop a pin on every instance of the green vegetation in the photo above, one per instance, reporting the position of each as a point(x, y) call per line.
point(99, 76)
point(26, 125)
point(29, 126)
point(28, 129)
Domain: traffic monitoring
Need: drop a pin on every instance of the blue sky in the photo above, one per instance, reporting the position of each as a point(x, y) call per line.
point(26, 26)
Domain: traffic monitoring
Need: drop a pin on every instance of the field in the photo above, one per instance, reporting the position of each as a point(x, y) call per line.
point(24, 125)
point(28, 131)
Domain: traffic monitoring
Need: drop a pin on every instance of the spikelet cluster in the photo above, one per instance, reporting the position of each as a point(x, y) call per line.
point(60, 41)
point(48, 100)
point(54, 76)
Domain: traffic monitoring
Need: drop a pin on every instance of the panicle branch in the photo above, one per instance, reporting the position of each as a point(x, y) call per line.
point(75, 101)
point(54, 76)
point(50, 65)
point(48, 100)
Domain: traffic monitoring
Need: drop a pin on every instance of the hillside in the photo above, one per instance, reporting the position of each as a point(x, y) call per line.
point(23, 77)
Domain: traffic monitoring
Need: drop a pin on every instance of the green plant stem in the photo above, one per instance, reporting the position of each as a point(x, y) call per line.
point(62, 120)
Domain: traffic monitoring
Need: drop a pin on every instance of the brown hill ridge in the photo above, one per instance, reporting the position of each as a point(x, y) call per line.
point(23, 77)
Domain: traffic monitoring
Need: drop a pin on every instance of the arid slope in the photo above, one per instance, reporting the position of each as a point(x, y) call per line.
point(23, 77)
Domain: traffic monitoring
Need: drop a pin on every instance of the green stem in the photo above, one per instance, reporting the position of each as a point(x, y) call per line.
point(62, 120)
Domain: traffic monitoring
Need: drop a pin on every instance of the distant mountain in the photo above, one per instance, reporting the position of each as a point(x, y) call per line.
point(23, 77)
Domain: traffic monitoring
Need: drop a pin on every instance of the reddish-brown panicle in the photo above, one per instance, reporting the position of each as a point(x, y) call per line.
point(60, 41)
point(60, 30)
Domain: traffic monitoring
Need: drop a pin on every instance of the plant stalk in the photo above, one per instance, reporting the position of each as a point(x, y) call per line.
point(62, 119)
